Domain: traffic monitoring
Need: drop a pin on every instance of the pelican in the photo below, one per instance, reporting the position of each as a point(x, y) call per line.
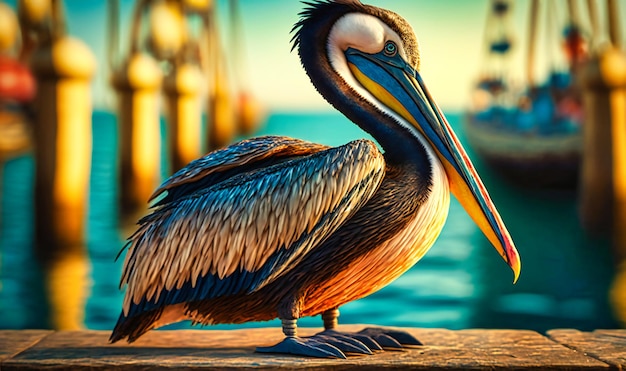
point(275, 227)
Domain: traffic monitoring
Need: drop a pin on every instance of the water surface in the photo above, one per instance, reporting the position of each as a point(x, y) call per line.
point(460, 283)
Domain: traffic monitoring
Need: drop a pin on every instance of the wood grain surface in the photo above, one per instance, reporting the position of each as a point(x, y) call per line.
point(475, 349)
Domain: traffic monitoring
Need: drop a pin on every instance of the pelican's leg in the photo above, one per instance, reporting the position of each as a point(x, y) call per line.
point(292, 344)
point(374, 338)
point(330, 318)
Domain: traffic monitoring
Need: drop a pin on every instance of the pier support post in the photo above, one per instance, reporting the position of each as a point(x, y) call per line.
point(603, 182)
point(137, 83)
point(63, 143)
point(182, 88)
point(221, 126)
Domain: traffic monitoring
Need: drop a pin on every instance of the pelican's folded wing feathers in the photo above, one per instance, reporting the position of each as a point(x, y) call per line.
point(238, 158)
point(242, 232)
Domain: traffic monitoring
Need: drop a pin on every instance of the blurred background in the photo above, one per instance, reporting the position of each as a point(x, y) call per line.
point(102, 100)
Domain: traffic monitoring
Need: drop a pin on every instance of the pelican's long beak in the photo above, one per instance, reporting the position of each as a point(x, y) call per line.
point(397, 85)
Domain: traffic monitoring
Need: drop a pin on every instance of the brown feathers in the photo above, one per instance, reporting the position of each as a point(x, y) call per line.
point(238, 224)
point(246, 152)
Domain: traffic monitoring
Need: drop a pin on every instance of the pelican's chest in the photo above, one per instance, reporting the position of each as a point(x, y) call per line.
point(396, 255)
point(391, 258)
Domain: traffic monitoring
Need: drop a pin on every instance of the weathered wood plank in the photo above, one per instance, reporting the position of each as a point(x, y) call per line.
point(609, 346)
point(15, 341)
point(201, 349)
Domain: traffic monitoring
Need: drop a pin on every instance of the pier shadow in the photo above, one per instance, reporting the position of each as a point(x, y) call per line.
point(136, 353)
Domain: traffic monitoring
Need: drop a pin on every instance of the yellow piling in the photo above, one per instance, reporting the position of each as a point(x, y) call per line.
point(603, 182)
point(137, 83)
point(199, 6)
point(221, 119)
point(8, 29)
point(167, 28)
point(183, 87)
point(34, 14)
point(248, 111)
point(222, 124)
point(63, 141)
point(35, 17)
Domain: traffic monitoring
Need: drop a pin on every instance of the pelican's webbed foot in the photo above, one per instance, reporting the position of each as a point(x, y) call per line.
point(304, 347)
point(325, 344)
point(389, 338)
point(375, 338)
point(335, 344)
point(331, 343)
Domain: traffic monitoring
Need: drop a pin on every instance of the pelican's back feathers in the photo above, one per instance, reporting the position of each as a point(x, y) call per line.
point(238, 158)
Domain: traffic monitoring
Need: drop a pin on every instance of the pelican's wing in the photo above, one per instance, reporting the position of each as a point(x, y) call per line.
point(235, 159)
point(239, 234)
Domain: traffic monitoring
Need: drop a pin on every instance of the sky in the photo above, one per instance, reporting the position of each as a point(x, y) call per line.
point(450, 33)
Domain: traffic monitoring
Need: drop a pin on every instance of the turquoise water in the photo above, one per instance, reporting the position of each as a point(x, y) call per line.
point(460, 283)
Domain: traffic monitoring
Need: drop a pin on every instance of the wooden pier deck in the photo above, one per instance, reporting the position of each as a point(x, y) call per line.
point(234, 349)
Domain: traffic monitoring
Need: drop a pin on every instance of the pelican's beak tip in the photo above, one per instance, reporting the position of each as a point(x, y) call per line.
point(516, 266)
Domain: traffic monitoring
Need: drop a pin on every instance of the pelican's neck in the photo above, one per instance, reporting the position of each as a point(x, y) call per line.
point(322, 41)
point(337, 85)
point(402, 145)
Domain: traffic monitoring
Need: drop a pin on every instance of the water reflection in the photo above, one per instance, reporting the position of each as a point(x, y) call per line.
point(566, 274)
point(460, 283)
point(21, 280)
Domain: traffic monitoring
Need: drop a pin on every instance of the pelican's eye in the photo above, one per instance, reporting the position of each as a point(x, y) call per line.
point(390, 49)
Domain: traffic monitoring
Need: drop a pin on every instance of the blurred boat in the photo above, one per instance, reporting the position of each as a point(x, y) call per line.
point(529, 134)
point(17, 90)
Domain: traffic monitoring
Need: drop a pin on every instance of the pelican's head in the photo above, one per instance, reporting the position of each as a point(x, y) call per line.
point(365, 61)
